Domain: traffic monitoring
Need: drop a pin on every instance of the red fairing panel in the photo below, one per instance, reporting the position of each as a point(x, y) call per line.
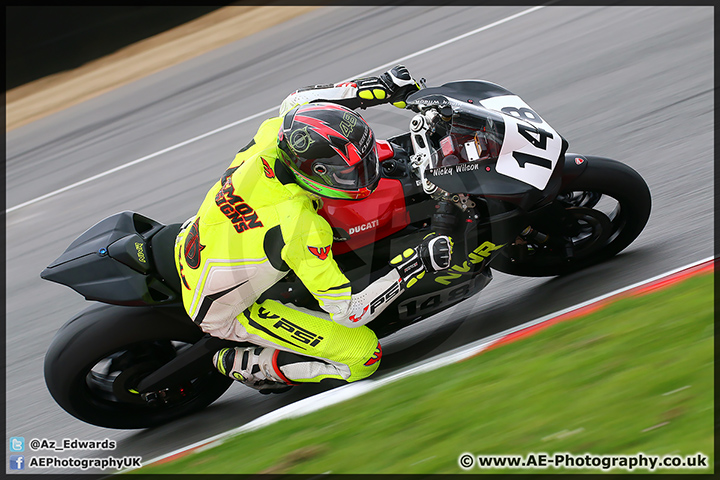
point(363, 222)
point(385, 151)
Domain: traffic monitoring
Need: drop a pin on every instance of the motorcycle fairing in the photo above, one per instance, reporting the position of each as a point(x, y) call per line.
point(120, 260)
point(531, 147)
point(524, 173)
point(356, 224)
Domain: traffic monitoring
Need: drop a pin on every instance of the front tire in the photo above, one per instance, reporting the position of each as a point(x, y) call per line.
point(96, 359)
point(599, 213)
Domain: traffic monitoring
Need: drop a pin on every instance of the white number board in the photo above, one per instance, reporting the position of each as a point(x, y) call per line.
point(531, 147)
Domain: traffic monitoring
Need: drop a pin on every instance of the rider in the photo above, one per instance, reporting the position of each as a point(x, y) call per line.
point(260, 221)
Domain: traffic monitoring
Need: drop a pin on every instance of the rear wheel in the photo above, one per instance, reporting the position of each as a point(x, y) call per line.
point(595, 216)
point(96, 361)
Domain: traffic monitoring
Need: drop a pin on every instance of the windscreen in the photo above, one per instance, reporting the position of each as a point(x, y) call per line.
point(473, 134)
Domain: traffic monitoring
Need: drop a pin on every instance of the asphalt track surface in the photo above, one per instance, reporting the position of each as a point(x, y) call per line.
point(630, 83)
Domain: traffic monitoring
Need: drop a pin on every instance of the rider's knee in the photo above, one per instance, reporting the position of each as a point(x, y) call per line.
point(368, 363)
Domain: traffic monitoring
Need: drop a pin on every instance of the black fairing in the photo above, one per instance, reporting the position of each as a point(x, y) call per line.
point(125, 259)
point(471, 91)
point(485, 182)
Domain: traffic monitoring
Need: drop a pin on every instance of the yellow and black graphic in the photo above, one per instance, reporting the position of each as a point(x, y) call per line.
point(347, 125)
point(140, 252)
point(300, 140)
point(476, 256)
point(282, 325)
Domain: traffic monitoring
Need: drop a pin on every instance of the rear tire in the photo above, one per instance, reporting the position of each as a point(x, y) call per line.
point(597, 235)
point(97, 358)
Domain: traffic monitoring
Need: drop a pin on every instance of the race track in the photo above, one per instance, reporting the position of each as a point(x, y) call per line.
point(634, 84)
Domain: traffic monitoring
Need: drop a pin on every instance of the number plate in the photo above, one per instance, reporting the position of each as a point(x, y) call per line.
point(531, 147)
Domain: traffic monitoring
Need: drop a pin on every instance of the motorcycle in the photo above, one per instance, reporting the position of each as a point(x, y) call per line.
point(477, 164)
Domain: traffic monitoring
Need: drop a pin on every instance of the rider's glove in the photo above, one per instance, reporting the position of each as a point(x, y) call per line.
point(393, 86)
point(432, 255)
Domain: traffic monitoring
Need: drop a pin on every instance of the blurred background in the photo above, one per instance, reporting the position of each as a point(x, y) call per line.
point(51, 39)
point(91, 94)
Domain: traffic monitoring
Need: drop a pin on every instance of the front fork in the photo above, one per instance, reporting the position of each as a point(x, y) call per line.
point(531, 237)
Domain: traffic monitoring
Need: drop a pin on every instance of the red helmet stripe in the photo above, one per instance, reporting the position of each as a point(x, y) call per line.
point(329, 106)
point(351, 154)
point(319, 127)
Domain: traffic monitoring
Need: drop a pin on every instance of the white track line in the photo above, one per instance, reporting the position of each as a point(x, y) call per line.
point(352, 390)
point(265, 112)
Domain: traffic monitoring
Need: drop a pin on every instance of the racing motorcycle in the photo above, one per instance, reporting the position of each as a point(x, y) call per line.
point(477, 164)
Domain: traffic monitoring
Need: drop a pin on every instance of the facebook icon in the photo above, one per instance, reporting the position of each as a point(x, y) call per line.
point(17, 462)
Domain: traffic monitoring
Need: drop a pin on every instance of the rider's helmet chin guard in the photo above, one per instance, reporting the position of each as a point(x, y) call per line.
point(330, 150)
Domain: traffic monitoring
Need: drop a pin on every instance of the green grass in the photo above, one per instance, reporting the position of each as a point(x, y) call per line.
point(595, 385)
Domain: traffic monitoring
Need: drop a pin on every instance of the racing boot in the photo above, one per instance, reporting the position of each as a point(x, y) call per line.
point(255, 367)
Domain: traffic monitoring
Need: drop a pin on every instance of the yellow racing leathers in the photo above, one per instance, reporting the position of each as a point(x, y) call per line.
point(254, 226)
point(250, 230)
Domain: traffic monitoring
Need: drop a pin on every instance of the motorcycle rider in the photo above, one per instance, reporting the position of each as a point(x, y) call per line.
point(260, 221)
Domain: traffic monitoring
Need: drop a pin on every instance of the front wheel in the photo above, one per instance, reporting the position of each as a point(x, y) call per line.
point(97, 359)
point(595, 216)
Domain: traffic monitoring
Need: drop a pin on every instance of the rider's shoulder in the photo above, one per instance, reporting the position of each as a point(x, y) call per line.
point(270, 128)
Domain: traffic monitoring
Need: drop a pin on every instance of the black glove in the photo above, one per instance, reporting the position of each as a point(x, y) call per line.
point(435, 252)
point(432, 255)
point(393, 86)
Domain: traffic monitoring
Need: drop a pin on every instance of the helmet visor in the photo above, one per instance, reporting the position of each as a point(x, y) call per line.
point(336, 173)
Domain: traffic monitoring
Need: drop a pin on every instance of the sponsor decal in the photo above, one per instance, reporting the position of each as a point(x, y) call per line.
point(227, 174)
point(139, 247)
point(579, 161)
point(362, 228)
point(386, 296)
point(300, 140)
point(466, 167)
point(460, 168)
point(476, 256)
point(365, 139)
point(297, 333)
point(376, 356)
point(441, 171)
point(242, 215)
point(268, 171)
point(347, 125)
point(340, 235)
point(438, 100)
point(193, 247)
point(355, 319)
point(322, 253)
point(437, 300)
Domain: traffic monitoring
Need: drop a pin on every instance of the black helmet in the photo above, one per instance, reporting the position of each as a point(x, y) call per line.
point(330, 150)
